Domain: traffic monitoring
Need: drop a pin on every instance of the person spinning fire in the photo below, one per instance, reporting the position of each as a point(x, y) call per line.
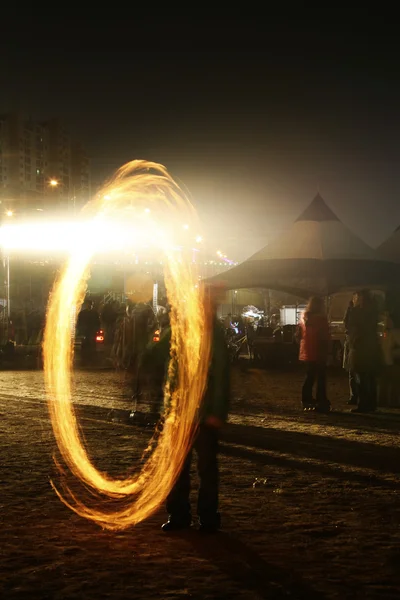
point(212, 415)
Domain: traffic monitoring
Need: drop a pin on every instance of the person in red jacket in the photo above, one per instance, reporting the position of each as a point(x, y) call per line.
point(314, 343)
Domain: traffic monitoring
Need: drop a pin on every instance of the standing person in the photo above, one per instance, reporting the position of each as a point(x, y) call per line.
point(153, 368)
point(314, 345)
point(109, 316)
point(353, 381)
point(212, 415)
point(391, 339)
point(364, 351)
point(250, 335)
point(143, 324)
point(87, 326)
point(228, 321)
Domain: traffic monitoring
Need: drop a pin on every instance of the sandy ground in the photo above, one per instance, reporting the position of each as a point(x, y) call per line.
point(310, 503)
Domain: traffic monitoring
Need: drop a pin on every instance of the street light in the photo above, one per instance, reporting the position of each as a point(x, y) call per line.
point(53, 183)
point(9, 213)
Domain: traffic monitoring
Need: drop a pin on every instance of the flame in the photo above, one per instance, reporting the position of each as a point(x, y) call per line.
point(134, 188)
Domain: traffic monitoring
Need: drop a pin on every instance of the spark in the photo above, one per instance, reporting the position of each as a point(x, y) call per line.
point(120, 503)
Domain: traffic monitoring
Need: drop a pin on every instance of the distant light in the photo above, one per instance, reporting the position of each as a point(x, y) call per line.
point(146, 210)
point(107, 197)
point(9, 213)
point(199, 239)
point(186, 227)
point(219, 252)
point(53, 182)
point(66, 236)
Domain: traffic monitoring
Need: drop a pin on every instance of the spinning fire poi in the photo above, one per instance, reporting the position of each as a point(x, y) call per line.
point(145, 193)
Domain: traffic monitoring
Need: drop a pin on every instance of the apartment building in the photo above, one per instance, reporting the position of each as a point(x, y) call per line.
point(41, 168)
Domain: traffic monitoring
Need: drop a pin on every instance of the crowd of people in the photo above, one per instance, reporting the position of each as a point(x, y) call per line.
point(363, 358)
point(366, 353)
point(139, 341)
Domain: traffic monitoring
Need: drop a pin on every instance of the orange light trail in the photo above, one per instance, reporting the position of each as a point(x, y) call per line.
point(139, 190)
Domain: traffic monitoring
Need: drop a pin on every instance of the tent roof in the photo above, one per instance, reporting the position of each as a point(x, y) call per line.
point(316, 234)
point(318, 254)
point(318, 211)
point(390, 248)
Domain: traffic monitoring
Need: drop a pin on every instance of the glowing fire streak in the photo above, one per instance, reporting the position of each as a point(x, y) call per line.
point(140, 184)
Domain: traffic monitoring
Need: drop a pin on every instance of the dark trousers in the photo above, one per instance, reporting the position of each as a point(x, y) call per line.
point(178, 504)
point(88, 350)
point(315, 372)
point(367, 387)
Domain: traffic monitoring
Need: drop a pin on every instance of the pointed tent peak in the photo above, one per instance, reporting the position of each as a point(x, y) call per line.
point(318, 210)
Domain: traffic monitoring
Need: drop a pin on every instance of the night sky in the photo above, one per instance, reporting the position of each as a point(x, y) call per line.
point(255, 120)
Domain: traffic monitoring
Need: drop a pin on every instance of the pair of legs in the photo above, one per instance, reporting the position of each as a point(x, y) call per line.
point(178, 504)
point(367, 390)
point(88, 350)
point(354, 388)
point(315, 372)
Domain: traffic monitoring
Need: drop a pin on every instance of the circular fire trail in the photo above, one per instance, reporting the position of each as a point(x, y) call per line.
point(144, 194)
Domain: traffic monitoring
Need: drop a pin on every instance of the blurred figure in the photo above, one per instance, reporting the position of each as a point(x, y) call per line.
point(274, 321)
point(353, 380)
point(250, 335)
point(212, 415)
point(314, 345)
point(364, 350)
point(133, 333)
point(134, 330)
point(109, 316)
point(391, 339)
point(88, 325)
point(153, 368)
point(143, 324)
point(228, 321)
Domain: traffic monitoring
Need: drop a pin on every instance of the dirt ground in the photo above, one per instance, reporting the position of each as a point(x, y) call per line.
point(310, 503)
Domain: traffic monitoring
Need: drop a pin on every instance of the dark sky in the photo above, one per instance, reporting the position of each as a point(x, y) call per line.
point(254, 118)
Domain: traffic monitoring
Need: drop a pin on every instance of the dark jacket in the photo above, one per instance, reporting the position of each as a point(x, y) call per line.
point(362, 332)
point(88, 323)
point(347, 316)
point(217, 395)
